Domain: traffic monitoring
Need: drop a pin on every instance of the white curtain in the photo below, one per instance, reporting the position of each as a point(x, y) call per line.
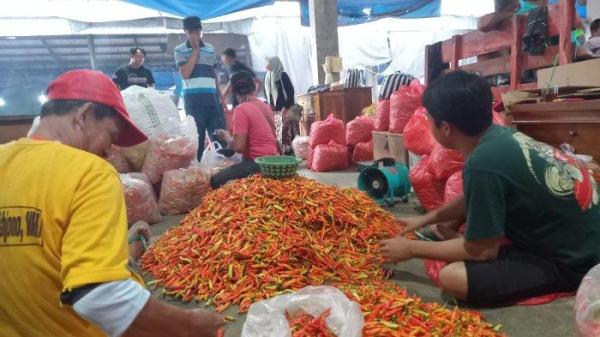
point(399, 42)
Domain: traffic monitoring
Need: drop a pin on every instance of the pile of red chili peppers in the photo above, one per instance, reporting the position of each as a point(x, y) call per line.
point(389, 311)
point(305, 325)
point(257, 238)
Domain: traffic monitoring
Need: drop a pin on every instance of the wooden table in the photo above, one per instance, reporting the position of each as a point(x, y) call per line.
point(344, 104)
point(573, 122)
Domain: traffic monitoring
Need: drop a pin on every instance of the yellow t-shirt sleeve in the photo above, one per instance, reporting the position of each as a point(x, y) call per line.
point(94, 246)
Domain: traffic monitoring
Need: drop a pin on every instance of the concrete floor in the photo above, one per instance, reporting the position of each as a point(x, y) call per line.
point(551, 320)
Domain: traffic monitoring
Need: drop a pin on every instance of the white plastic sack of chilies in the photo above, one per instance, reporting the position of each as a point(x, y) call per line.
point(267, 318)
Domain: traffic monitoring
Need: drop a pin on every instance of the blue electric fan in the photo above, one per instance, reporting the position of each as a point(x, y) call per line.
point(386, 181)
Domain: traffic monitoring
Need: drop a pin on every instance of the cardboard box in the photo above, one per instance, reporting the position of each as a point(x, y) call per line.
point(580, 74)
point(333, 64)
point(389, 145)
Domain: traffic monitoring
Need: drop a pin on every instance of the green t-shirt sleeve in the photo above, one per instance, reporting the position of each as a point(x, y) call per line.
point(485, 195)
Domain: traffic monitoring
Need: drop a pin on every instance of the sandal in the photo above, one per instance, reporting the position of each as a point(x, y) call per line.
point(428, 233)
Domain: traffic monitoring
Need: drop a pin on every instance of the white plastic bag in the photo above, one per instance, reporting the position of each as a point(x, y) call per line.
point(300, 144)
point(213, 161)
point(149, 109)
point(267, 318)
point(587, 304)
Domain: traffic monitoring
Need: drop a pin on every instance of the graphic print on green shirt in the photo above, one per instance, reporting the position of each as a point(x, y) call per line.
point(535, 195)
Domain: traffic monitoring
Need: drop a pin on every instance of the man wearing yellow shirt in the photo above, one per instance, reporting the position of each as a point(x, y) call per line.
point(63, 226)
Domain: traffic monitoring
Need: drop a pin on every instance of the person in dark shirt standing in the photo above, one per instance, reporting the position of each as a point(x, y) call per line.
point(134, 73)
point(232, 66)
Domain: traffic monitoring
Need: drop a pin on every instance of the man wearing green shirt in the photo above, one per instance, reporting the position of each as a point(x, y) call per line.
point(534, 195)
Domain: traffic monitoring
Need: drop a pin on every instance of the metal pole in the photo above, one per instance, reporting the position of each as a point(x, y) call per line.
point(92, 49)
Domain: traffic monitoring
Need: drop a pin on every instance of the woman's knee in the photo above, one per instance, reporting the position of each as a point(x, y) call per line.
point(453, 280)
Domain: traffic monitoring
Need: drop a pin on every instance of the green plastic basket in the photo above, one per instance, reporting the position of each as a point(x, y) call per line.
point(278, 167)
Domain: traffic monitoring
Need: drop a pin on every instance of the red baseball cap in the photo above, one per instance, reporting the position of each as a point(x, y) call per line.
point(94, 86)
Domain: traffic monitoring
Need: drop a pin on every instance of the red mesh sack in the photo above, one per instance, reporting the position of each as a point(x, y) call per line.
point(117, 158)
point(182, 190)
point(382, 115)
point(454, 186)
point(403, 104)
point(330, 157)
point(429, 191)
point(359, 130)
point(322, 132)
point(363, 152)
point(445, 162)
point(300, 147)
point(143, 177)
point(139, 200)
point(417, 134)
point(497, 117)
point(166, 153)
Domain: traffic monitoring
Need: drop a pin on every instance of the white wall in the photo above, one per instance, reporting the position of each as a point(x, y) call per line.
point(593, 10)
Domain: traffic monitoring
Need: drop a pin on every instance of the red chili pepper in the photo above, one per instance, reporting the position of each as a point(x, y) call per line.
point(256, 238)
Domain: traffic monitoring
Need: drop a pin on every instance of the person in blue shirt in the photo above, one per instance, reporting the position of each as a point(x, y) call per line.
point(196, 61)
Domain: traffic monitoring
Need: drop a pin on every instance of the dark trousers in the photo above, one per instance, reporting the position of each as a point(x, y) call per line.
point(208, 118)
point(237, 171)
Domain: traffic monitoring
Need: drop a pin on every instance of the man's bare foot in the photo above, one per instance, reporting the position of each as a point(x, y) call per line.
point(138, 237)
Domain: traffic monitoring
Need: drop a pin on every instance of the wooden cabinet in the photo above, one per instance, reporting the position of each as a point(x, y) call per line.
point(344, 104)
point(575, 122)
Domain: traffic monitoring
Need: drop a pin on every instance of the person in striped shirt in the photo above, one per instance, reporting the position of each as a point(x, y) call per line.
point(197, 61)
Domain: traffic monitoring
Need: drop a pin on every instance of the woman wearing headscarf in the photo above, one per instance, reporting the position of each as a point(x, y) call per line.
point(280, 96)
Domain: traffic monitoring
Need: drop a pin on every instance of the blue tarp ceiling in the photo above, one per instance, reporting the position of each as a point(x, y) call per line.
point(350, 11)
point(359, 11)
point(205, 9)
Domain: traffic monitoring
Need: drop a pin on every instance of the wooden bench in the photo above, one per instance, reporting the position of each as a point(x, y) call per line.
point(561, 18)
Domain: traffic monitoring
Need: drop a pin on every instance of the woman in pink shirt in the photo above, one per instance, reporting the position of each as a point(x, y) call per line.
point(253, 131)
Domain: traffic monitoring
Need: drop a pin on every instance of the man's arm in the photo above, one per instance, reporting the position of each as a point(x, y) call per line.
point(94, 256)
point(150, 79)
point(401, 249)
point(160, 319)
point(227, 90)
point(186, 69)
point(120, 79)
point(453, 211)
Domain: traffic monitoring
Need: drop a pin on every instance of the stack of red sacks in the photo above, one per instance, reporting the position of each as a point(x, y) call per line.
point(403, 104)
point(164, 177)
point(393, 114)
point(328, 150)
point(438, 176)
point(382, 115)
point(359, 137)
